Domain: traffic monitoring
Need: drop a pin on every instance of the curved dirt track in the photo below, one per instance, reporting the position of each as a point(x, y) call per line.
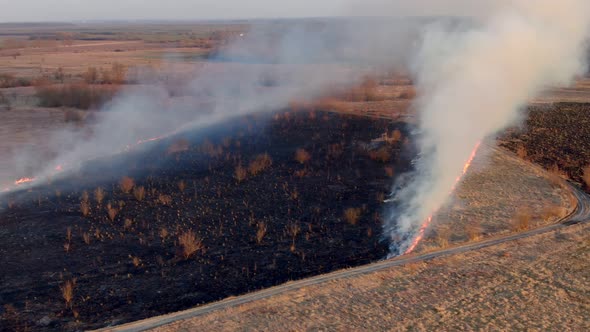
point(579, 215)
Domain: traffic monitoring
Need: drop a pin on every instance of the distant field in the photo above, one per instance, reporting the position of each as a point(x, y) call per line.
point(37, 50)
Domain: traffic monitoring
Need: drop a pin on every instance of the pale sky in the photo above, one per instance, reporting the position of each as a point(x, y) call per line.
point(76, 10)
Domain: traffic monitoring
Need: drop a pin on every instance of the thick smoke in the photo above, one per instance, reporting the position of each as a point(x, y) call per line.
point(472, 83)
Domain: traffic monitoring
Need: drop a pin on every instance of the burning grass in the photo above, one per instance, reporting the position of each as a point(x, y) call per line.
point(508, 195)
point(190, 243)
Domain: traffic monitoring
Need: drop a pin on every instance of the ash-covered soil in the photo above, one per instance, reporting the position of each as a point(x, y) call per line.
point(261, 201)
point(555, 136)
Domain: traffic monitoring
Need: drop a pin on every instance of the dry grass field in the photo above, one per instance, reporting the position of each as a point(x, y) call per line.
point(539, 283)
point(501, 194)
point(31, 50)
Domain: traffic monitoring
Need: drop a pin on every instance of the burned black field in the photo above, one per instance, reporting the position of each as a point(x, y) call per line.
point(196, 218)
point(555, 136)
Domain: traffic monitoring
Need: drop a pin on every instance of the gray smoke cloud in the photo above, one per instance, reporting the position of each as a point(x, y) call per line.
point(472, 82)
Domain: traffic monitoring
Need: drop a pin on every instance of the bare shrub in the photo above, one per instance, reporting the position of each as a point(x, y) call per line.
point(139, 193)
point(553, 211)
point(99, 195)
point(136, 261)
point(85, 208)
point(259, 164)
point(396, 136)
point(127, 224)
point(11, 81)
point(240, 173)
point(91, 76)
point(126, 184)
point(521, 152)
point(443, 234)
point(163, 233)
point(522, 220)
point(86, 238)
point(112, 212)
point(211, 150)
point(106, 76)
point(178, 146)
point(260, 232)
point(67, 292)
point(389, 171)
point(85, 197)
point(293, 230)
point(382, 154)
point(165, 200)
point(380, 196)
point(352, 215)
point(181, 186)
point(59, 74)
point(190, 243)
point(302, 156)
point(118, 73)
point(473, 231)
point(78, 95)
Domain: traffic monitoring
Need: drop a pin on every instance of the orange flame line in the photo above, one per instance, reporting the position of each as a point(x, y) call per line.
point(60, 168)
point(23, 180)
point(428, 220)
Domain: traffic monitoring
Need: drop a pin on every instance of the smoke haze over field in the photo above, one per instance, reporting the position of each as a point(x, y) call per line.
point(472, 84)
point(263, 71)
point(473, 75)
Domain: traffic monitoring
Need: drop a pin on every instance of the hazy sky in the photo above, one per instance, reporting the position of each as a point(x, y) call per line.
point(75, 10)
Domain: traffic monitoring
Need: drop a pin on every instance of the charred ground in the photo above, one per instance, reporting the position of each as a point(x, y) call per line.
point(267, 200)
point(555, 136)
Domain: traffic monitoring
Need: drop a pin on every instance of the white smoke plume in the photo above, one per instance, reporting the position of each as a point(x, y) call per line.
point(472, 82)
